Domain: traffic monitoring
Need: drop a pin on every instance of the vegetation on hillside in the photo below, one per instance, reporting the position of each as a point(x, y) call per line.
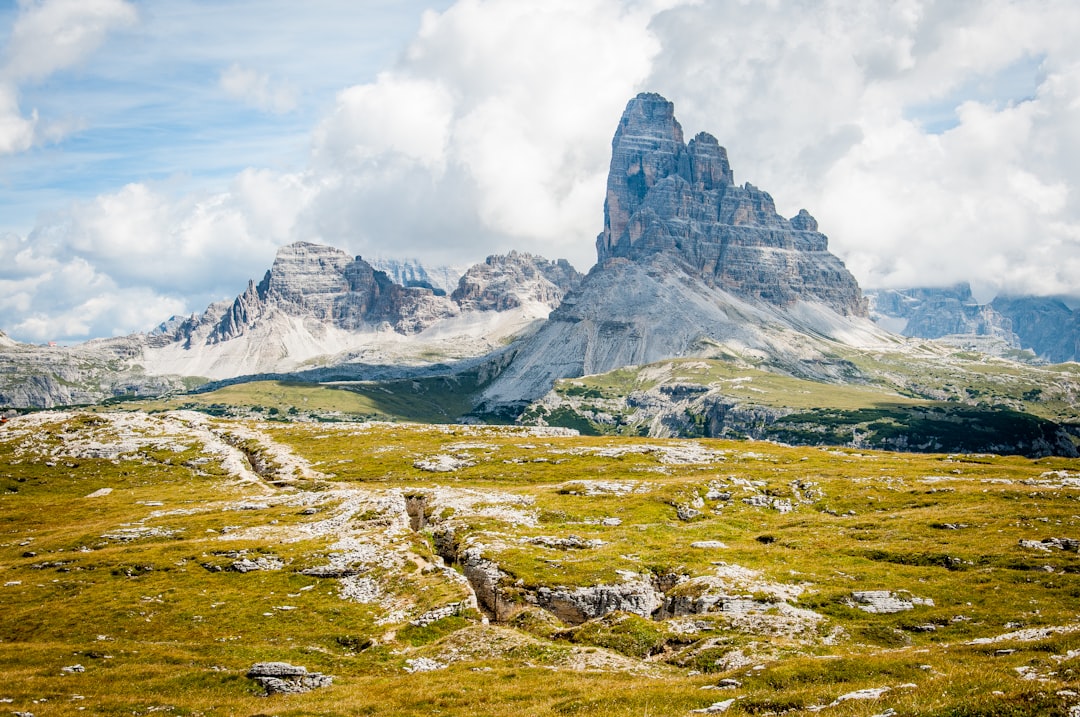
point(144, 549)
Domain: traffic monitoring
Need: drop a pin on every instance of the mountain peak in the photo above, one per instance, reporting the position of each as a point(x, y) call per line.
point(681, 201)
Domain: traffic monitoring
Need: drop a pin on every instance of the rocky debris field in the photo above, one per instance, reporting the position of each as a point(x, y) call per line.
point(192, 565)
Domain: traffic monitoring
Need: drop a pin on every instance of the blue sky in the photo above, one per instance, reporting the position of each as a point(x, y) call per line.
point(148, 103)
point(154, 155)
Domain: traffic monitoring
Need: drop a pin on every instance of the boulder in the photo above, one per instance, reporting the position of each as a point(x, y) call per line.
point(283, 678)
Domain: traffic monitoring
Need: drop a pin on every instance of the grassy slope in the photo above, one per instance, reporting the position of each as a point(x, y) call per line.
point(957, 402)
point(158, 631)
point(434, 400)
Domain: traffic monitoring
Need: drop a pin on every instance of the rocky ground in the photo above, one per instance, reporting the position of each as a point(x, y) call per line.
point(319, 562)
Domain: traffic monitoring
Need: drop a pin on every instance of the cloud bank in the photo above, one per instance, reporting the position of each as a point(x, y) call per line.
point(934, 141)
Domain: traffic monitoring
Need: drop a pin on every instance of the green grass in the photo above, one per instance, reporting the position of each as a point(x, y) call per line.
point(162, 622)
point(884, 401)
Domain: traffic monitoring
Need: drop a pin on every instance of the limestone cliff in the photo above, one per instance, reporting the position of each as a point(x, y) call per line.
point(1043, 325)
point(681, 200)
point(318, 306)
point(932, 313)
point(327, 285)
point(689, 264)
point(505, 282)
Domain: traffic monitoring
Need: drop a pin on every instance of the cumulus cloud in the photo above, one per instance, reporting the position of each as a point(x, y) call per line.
point(49, 35)
point(130, 259)
point(258, 89)
point(505, 106)
point(935, 141)
point(820, 107)
point(16, 131)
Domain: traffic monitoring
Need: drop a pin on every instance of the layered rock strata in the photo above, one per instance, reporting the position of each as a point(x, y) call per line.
point(689, 264)
point(666, 196)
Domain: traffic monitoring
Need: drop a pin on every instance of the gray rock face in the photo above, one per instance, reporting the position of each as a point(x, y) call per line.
point(283, 678)
point(1046, 326)
point(326, 284)
point(504, 282)
point(687, 261)
point(414, 273)
point(576, 606)
point(664, 196)
point(882, 602)
point(932, 313)
point(48, 376)
point(628, 313)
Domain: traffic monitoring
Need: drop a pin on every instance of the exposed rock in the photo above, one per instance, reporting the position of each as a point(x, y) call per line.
point(933, 313)
point(585, 603)
point(442, 612)
point(484, 576)
point(571, 542)
point(687, 261)
point(326, 284)
point(283, 678)
point(664, 196)
point(715, 708)
point(885, 601)
point(442, 280)
point(506, 282)
point(443, 463)
point(1047, 544)
point(685, 512)
point(1045, 325)
point(48, 376)
point(263, 562)
point(423, 664)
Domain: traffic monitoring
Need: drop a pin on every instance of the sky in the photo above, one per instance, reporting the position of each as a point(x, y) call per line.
point(155, 155)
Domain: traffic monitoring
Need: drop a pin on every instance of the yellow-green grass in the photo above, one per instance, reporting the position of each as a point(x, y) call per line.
point(158, 629)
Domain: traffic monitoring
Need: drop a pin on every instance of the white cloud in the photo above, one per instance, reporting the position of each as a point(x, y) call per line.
point(492, 131)
point(392, 118)
point(49, 35)
point(812, 103)
point(508, 106)
point(258, 89)
point(16, 131)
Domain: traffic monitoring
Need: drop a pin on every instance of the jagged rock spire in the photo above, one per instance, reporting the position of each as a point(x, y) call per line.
point(680, 200)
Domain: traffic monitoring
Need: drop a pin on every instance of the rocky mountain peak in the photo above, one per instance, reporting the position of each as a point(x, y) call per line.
point(507, 281)
point(681, 200)
point(313, 281)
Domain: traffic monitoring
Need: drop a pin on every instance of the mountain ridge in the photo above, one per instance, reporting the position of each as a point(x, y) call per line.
point(688, 262)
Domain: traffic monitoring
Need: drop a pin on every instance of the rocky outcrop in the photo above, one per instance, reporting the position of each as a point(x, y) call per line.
point(932, 313)
point(1045, 325)
point(327, 285)
point(688, 264)
point(586, 603)
point(884, 602)
point(47, 376)
point(414, 273)
point(283, 678)
point(664, 196)
point(506, 282)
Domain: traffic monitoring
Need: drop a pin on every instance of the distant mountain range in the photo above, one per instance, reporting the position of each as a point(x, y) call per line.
point(1045, 326)
point(316, 307)
point(689, 264)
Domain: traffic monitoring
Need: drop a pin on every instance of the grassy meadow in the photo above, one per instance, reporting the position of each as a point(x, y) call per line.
point(147, 561)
